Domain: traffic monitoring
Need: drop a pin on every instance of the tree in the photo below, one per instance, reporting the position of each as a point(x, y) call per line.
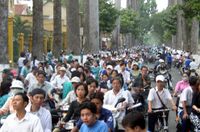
point(73, 33)
point(38, 28)
point(108, 15)
point(164, 25)
point(129, 21)
point(146, 9)
point(91, 26)
point(57, 33)
point(3, 31)
point(191, 11)
point(157, 27)
point(21, 27)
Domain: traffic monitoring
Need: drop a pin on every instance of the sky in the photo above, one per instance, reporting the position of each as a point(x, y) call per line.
point(161, 4)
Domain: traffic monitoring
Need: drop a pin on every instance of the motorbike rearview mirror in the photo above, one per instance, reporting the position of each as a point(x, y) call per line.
point(122, 99)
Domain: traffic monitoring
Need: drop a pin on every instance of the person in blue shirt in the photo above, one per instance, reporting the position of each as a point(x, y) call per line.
point(95, 68)
point(102, 114)
point(169, 60)
point(187, 62)
point(25, 69)
point(49, 56)
point(88, 116)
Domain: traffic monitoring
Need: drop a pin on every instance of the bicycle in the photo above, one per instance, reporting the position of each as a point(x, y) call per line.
point(161, 124)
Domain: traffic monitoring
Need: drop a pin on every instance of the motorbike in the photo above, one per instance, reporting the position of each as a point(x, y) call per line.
point(168, 78)
point(139, 96)
point(115, 112)
point(58, 113)
point(193, 73)
point(151, 74)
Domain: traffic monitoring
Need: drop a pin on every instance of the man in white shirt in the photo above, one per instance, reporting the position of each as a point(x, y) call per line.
point(42, 84)
point(37, 97)
point(57, 83)
point(154, 103)
point(21, 121)
point(111, 97)
point(31, 78)
point(185, 103)
point(125, 74)
point(20, 62)
point(193, 65)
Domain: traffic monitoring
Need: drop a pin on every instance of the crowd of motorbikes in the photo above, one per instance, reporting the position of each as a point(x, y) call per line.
point(140, 103)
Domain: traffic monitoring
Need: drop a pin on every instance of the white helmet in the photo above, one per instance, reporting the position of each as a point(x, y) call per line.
point(161, 61)
point(17, 84)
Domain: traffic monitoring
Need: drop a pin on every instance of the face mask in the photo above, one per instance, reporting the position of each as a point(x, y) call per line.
point(185, 78)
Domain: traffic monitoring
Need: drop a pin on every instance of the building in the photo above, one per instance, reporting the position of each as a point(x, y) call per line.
point(29, 3)
point(24, 8)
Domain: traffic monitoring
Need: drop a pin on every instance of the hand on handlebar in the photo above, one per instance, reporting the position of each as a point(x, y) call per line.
point(149, 110)
point(121, 109)
point(185, 116)
point(51, 97)
point(61, 124)
point(174, 108)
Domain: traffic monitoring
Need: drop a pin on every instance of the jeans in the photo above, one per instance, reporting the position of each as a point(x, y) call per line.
point(185, 123)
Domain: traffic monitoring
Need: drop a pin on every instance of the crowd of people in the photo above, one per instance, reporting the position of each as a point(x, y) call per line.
point(28, 95)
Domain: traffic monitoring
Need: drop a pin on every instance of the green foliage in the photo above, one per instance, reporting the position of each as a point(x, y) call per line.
point(157, 26)
point(191, 9)
point(170, 19)
point(139, 21)
point(21, 27)
point(165, 23)
point(108, 15)
point(147, 8)
point(129, 19)
point(167, 36)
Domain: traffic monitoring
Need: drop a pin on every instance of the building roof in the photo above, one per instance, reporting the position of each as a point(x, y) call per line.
point(20, 9)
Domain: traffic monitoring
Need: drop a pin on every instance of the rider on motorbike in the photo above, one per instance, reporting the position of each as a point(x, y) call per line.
point(161, 68)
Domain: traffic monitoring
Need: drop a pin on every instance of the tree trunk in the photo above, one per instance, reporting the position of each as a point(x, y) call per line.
point(173, 43)
point(73, 33)
point(57, 34)
point(91, 26)
point(3, 31)
point(186, 30)
point(174, 37)
point(172, 2)
point(133, 4)
point(179, 31)
point(38, 29)
point(116, 32)
point(194, 36)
